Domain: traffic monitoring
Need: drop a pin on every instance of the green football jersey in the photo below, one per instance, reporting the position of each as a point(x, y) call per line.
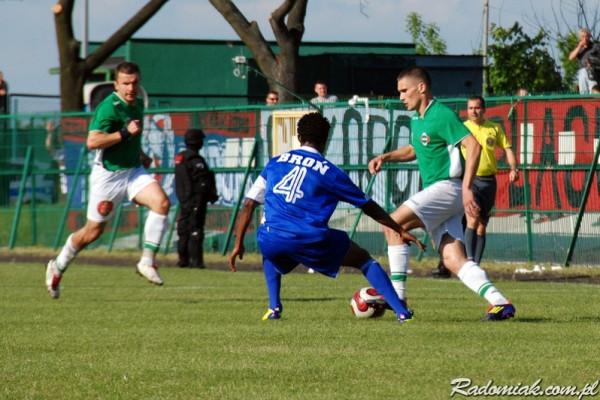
point(435, 138)
point(112, 115)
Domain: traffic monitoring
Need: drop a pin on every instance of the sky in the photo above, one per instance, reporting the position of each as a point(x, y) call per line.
point(28, 44)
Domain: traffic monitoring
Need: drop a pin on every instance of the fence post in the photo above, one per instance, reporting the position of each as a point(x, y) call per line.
point(63, 221)
point(172, 225)
point(526, 186)
point(239, 200)
point(32, 206)
point(22, 189)
point(140, 228)
point(586, 193)
point(115, 227)
point(369, 187)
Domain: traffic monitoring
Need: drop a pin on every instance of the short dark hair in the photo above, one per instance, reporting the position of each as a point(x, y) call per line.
point(417, 73)
point(273, 92)
point(477, 97)
point(128, 68)
point(314, 128)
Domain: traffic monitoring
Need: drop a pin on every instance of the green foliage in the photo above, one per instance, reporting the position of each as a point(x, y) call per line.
point(521, 61)
point(425, 36)
point(113, 336)
point(566, 43)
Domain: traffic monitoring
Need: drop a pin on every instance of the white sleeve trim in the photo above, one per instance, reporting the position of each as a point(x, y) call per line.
point(257, 191)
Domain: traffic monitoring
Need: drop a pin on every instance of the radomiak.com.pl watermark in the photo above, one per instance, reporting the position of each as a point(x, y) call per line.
point(466, 388)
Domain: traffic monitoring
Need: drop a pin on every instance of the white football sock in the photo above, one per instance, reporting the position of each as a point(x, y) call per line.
point(154, 230)
point(475, 278)
point(398, 258)
point(66, 255)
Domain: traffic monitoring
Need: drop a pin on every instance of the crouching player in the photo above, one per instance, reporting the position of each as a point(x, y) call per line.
point(300, 190)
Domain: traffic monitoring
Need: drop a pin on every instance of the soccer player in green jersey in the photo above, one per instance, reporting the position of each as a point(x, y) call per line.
point(118, 171)
point(436, 135)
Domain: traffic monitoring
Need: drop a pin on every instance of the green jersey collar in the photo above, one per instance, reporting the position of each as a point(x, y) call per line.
point(427, 108)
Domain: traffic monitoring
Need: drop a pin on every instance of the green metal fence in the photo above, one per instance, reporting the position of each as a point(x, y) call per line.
point(44, 172)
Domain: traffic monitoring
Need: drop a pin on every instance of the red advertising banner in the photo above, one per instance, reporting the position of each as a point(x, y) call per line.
point(557, 144)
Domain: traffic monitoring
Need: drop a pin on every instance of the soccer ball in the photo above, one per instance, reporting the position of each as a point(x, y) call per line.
point(367, 303)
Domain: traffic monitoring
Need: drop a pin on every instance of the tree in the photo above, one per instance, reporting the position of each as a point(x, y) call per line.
point(565, 44)
point(74, 70)
point(425, 36)
point(281, 67)
point(520, 61)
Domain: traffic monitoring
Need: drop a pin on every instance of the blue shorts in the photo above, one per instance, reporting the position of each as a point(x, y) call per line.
point(324, 252)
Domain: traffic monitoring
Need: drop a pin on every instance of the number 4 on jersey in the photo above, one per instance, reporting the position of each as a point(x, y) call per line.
point(290, 185)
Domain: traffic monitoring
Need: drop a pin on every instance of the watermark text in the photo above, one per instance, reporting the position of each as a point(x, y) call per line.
point(466, 388)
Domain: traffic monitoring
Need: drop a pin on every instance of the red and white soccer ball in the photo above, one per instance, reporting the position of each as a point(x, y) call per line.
point(367, 303)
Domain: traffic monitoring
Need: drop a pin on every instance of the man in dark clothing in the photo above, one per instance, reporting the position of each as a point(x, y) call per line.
point(195, 187)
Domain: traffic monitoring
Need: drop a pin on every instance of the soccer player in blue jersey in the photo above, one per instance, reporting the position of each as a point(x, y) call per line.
point(300, 190)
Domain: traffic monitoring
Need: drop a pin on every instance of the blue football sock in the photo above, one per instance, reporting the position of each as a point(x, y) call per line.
point(273, 280)
point(381, 282)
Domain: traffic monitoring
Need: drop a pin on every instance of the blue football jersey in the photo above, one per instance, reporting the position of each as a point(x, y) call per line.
point(300, 190)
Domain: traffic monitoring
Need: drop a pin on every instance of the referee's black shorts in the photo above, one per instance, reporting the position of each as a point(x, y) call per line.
point(484, 189)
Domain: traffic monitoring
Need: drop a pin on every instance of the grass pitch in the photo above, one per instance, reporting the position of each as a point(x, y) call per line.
point(113, 336)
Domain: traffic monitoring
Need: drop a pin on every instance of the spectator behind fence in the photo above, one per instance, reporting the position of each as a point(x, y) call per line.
point(581, 52)
point(322, 94)
point(3, 95)
point(522, 92)
point(272, 98)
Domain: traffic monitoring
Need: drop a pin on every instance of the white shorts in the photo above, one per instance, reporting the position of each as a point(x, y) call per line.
point(108, 189)
point(440, 208)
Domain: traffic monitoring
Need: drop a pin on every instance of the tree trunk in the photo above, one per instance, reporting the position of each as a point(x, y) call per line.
point(74, 71)
point(282, 67)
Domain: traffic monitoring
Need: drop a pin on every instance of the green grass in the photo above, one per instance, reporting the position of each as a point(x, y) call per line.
point(113, 336)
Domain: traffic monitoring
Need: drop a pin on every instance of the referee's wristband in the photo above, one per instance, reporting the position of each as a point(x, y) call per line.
point(125, 134)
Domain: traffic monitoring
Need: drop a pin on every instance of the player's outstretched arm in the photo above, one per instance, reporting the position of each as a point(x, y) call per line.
point(374, 211)
point(402, 154)
point(243, 221)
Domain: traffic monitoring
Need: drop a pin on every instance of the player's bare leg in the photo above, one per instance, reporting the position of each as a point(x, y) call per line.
point(398, 251)
point(475, 278)
point(153, 197)
point(75, 243)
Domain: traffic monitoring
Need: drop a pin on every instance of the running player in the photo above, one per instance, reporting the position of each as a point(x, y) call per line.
point(115, 134)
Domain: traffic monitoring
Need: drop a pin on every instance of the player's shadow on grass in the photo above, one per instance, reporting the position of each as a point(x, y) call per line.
point(309, 299)
point(249, 300)
point(543, 320)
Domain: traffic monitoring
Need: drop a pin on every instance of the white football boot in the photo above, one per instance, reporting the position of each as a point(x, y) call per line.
point(53, 276)
point(149, 272)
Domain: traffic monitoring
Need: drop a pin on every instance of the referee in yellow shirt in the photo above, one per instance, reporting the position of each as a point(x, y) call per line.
point(489, 135)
